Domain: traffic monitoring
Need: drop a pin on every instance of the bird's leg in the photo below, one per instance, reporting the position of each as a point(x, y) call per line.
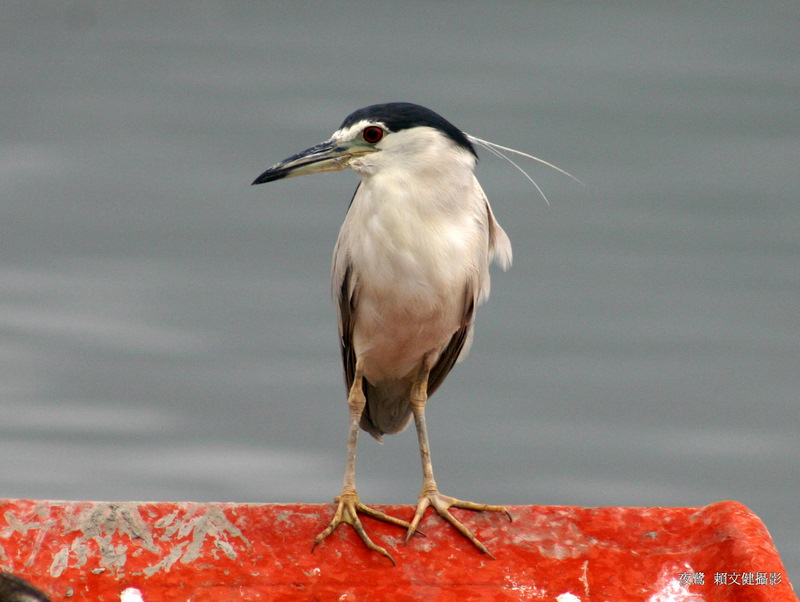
point(349, 504)
point(430, 496)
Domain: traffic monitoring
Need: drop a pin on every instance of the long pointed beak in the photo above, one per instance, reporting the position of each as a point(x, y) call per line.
point(326, 156)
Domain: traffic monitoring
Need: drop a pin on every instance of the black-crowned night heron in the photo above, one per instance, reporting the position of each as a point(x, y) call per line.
point(16, 589)
point(409, 268)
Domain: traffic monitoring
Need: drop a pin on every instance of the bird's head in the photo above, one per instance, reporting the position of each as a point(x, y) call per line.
point(392, 135)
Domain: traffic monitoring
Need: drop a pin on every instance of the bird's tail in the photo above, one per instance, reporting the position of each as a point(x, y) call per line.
point(388, 409)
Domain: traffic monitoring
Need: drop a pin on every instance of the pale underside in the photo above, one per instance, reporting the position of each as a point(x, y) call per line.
point(420, 296)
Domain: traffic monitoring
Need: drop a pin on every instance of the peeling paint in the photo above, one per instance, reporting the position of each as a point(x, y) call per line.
point(106, 533)
point(559, 539)
point(226, 548)
point(213, 524)
point(525, 591)
point(60, 561)
point(167, 561)
point(585, 579)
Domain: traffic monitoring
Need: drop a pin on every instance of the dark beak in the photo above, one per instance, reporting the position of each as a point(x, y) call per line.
point(326, 156)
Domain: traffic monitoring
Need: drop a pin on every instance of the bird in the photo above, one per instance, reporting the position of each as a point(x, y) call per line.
point(410, 267)
point(16, 589)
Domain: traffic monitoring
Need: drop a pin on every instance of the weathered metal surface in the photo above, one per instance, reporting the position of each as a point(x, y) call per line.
point(160, 552)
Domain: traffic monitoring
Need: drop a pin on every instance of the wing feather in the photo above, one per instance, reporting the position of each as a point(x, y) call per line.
point(347, 306)
point(452, 352)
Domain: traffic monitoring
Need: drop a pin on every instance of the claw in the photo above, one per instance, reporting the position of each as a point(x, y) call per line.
point(347, 512)
point(442, 505)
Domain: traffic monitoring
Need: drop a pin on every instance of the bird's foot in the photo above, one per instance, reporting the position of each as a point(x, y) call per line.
point(347, 512)
point(442, 505)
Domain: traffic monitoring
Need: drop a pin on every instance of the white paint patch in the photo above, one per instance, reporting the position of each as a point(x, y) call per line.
point(131, 595)
point(567, 597)
point(674, 591)
point(523, 590)
point(670, 589)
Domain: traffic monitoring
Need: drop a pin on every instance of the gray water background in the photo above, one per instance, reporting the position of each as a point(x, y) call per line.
point(166, 331)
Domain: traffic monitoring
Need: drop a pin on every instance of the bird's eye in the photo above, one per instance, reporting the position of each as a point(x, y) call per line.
point(372, 134)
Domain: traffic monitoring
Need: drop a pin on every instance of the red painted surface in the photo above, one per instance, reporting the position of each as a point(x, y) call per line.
point(196, 552)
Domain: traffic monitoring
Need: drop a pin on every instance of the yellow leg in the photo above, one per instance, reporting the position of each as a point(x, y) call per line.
point(429, 495)
point(349, 504)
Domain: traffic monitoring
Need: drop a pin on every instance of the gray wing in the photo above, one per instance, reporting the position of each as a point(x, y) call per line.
point(452, 352)
point(343, 291)
point(347, 304)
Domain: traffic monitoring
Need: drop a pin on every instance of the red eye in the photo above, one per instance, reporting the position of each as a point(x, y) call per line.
point(372, 134)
